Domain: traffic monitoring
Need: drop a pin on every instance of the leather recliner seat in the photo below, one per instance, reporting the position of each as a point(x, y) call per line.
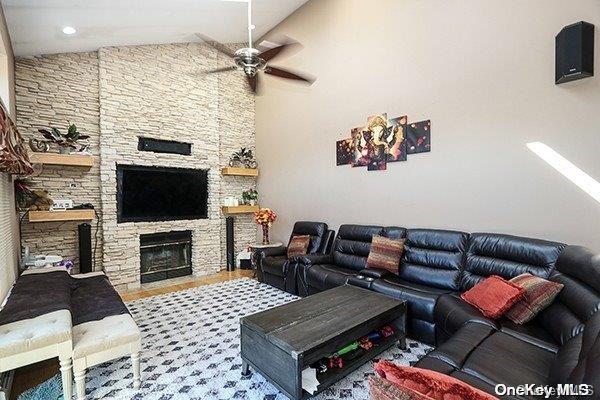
point(430, 267)
point(485, 356)
point(274, 267)
point(495, 254)
point(348, 257)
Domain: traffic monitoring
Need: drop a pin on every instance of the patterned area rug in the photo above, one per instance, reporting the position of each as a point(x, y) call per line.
point(191, 349)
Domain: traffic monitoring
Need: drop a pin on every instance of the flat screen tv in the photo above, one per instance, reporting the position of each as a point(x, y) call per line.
point(161, 194)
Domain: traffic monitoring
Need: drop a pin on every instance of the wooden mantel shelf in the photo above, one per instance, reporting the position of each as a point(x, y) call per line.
point(239, 209)
point(57, 216)
point(239, 171)
point(75, 160)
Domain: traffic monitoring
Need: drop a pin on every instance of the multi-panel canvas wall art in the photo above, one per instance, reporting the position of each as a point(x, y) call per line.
point(383, 140)
point(418, 137)
point(344, 151)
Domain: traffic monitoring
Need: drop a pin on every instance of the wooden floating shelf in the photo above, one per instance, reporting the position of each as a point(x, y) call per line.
point(57, 216)
point(231, 171)
point(75, 160)
point(239, 209)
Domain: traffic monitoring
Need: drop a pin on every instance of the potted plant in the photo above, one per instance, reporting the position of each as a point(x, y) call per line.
point(265, 218)
point(66, 142)
point(250, 197)
point(244, 157)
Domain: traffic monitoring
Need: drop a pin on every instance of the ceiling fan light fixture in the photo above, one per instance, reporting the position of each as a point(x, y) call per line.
point(251, 61)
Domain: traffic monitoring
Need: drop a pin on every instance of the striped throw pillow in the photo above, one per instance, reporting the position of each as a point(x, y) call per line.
point(539, 294)
point(385, 253)
point(298, 245)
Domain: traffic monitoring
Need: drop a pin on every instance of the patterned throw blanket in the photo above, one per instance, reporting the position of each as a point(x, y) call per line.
point(87, 299)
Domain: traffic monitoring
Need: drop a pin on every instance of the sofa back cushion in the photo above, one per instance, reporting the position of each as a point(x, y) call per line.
point(394, 232)
point(316, 231)
point(434, 257)
point(352, 245)
point(507, 256)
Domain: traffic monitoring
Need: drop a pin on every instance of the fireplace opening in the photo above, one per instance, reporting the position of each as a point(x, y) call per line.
point(165, 255)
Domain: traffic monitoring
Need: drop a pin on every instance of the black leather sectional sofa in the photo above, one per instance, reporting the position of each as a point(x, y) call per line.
point(560, 346)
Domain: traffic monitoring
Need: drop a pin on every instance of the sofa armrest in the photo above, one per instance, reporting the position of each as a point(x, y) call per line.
point(271, 252)
point(376, 273)
point(311, 259)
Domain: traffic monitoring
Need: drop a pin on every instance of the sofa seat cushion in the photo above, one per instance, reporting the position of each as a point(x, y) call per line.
point(503, 358)
point(420, 299)
point(35, 333)
point(327, 276)
point(483, 357)
point(452, 312)
point(453, 353)
point(531, 332)
point(108, 333)
point(274, 265)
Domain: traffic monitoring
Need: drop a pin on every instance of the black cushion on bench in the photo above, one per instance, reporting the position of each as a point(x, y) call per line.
point(94, 298)
point(37, 294)
point(89, 298)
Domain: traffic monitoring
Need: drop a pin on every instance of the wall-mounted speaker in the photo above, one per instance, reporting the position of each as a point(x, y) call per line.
point(164, 146)
point(575, 52)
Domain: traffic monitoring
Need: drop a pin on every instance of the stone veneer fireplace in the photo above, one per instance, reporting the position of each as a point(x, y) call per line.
point(121, 94)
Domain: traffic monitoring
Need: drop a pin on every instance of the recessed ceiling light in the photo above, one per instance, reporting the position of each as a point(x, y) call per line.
point(69, 30)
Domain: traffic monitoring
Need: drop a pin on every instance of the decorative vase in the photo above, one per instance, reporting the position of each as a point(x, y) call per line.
point(64, 150)
point(265, 229)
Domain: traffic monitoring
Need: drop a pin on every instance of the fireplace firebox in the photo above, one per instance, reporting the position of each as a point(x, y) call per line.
point(165, 255)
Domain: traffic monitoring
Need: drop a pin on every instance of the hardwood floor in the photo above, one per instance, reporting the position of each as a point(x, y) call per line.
point(32, 375)
point(174, 285)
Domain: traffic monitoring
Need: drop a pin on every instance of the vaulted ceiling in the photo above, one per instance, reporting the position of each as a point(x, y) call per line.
point(36, 26)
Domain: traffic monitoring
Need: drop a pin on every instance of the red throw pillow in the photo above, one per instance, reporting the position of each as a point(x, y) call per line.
point(421, 384)
point(298, 245)
point(385, 253)
point(539, 294)
point(493, 296)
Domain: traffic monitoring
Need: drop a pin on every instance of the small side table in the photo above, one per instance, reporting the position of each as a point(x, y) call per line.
point(258, 246)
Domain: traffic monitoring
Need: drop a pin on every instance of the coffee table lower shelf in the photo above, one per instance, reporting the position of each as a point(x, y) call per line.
point(330, 377)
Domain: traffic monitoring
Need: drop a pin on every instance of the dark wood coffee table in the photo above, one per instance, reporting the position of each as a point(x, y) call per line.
point(282, 341)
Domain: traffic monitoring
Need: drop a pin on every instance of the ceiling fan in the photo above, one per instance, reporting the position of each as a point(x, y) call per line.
point(252, 61)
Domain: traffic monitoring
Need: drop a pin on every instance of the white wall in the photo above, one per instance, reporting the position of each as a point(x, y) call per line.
point(482, 71)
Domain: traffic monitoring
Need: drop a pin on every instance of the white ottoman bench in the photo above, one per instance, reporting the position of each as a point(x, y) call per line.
point(98, 341)
point(31, 340)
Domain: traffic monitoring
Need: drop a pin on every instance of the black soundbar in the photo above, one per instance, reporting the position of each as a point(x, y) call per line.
point(164, 146)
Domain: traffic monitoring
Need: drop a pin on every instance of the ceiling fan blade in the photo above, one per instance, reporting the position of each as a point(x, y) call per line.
point(216, 45)
point(253, 83)
point(275, 51)
point(218, 70)
point(282, 73)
